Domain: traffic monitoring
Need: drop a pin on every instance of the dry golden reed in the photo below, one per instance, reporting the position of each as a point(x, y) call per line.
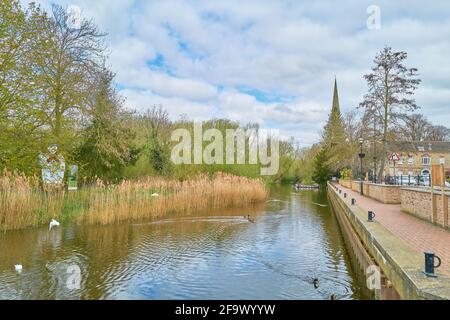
point(24, 204)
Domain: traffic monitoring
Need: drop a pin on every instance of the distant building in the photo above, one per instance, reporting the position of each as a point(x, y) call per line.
point(416, 158)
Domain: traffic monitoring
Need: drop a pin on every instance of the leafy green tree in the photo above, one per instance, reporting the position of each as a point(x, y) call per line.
point(322, 171)
point(21, 134)
point(107, 141)
point(157, 139)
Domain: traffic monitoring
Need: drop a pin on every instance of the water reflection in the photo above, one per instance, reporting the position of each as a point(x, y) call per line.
point(215, 255)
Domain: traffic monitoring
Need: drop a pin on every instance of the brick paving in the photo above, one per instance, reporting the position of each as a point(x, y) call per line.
point(418, 234)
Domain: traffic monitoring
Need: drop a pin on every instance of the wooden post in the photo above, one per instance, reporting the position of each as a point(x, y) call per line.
point(435, 173)
point(438, 179)
point(444, 198)
point(366, 191)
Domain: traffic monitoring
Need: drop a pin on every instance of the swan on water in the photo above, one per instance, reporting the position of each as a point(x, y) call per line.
point(18, 267)
point(53, 223)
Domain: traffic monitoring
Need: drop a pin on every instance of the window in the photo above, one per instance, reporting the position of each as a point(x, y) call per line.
point(442, 160)
point(401, 160)
point(426, 160)
point(410, 160)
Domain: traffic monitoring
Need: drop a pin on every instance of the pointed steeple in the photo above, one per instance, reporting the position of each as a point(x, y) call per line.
point(335, 109)
point(333, 136)
point(334, 129)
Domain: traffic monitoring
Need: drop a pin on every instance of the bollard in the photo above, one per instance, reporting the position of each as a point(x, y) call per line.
point(340, 191)
point(353, 201)
point(370, 216)
point(345, 195)
point(429, 264)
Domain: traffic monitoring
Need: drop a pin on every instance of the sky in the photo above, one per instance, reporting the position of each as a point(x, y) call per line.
point(270, 62)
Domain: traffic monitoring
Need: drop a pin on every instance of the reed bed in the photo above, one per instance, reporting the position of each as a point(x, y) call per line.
point(23, 203)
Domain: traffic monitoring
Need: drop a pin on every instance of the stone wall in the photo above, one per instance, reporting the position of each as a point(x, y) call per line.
point(418, 202)
point(383, 193)
point(346, 183)
point(356, 186)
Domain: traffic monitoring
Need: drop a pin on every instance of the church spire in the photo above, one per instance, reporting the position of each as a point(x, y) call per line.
point(334, 131)
point(335, 109)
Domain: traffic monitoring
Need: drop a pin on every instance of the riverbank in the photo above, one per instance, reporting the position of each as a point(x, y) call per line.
point(23, 204)
point(400, 263)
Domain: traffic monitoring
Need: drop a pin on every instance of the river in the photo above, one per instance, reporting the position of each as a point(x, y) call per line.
point(290, 240)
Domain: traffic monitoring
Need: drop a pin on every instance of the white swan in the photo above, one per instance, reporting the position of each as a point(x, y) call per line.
point(155, 195)
point(18, 267)
point(53, 223)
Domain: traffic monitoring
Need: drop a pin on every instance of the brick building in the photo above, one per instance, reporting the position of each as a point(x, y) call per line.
point(416, 158)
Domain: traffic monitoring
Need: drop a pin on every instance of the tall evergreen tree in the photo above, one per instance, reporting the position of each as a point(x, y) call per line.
point(322, 171)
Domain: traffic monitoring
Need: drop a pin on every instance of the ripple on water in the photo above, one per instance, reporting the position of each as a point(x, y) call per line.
point(216, 257)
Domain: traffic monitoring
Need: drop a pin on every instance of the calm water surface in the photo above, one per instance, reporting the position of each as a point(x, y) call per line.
point(219, 255)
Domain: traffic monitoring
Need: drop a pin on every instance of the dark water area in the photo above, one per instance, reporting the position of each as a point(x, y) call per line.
point(290, 240)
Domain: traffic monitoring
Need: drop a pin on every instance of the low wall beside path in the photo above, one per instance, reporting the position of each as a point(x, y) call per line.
point(417, 201)
point(384, 193)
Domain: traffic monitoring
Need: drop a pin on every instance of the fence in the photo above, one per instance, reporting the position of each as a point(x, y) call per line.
point(408, 180)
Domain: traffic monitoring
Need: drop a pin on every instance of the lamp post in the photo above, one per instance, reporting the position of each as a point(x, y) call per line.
point(361, 157)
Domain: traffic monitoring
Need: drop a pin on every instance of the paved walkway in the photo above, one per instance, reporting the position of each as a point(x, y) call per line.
point(420, 235)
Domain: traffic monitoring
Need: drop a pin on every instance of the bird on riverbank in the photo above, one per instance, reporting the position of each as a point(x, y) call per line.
point(18, 268)
point(155, 195)
point(52, 224)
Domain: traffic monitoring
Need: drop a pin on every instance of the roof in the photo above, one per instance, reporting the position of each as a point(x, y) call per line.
point(419, 146)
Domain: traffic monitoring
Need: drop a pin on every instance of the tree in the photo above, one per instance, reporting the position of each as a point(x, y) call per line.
point(69, 55)
point(107, 141)
point(438, 133)
point(322, 171)
point(391, 88)
point(21, 137)
point(157, 126)
point(416, 127)
point(289, 153)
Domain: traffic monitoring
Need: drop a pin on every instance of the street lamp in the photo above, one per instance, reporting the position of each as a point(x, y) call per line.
point(361, 157)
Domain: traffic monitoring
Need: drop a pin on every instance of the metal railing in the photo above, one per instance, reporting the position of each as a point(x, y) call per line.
point(408, 180)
